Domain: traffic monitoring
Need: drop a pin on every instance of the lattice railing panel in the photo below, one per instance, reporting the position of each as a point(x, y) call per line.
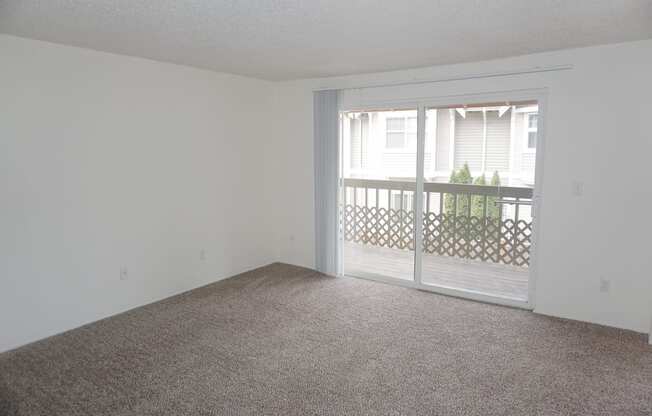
point(486, 239)
point(379, 226)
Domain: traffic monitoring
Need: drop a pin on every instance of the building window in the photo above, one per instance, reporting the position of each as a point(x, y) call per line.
point(401, 132)
point(532, 121)
point(359, 130)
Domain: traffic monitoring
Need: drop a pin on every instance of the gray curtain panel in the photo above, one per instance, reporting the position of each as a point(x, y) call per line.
point(326, 154)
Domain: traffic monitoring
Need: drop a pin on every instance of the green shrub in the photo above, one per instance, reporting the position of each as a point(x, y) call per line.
point(463, 176)
point(493, 210)
point(477, 201)
point(449, 198)
point(463, 201)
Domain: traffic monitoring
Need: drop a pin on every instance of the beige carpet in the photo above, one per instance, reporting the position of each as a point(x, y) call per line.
point(289, 341)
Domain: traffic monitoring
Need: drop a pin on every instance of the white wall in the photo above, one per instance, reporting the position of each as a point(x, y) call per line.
point(108, 160)
point(598, 132)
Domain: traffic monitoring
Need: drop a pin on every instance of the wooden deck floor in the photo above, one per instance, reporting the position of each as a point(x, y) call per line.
point(489, 278)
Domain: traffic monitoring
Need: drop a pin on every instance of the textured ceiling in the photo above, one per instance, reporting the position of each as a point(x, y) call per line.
point(287, 39)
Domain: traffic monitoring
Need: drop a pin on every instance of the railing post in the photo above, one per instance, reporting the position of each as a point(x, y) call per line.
point(499, 232)
point(342, 209)
point(355, 214)
point(484, 227)
point(442, 221)
point(468, 227)
point(377, 217)
point(389, 218)
point(365, 211)
point(454, 246)
point(514, 232)
point(400, 230)
point(424, 226)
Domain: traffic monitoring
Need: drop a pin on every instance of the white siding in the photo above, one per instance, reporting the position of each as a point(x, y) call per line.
point(403, 164)
point(364, 141)
point(427, 161)
point(528, 160)
point(468, 140)
point(518, 144)
point(359, 137)
point(498, 141)
point(356, 143)
point(443, 140)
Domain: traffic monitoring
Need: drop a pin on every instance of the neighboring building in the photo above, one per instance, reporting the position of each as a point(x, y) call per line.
point(382, 144)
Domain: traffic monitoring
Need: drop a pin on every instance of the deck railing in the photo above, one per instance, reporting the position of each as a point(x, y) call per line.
point(466, 221)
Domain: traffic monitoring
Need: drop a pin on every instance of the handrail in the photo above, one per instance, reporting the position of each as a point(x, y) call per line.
point(446, 188)
point(512, 202)
point(380, 184)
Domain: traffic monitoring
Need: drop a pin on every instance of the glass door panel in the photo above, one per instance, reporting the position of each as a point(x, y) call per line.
point(478, 187)
point(377, 199)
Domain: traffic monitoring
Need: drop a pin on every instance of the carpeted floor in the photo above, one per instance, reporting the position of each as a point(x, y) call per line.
point(289, 341)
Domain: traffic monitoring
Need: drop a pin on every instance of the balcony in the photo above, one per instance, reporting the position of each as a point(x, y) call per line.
point(475, 238)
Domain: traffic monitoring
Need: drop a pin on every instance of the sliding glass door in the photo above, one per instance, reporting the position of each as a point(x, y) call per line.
point(441, 197)
point(379, 164)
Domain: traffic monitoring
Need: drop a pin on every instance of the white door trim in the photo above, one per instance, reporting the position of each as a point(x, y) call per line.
point(418, 194)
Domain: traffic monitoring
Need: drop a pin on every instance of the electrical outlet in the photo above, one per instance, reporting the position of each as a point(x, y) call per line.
point(605, 285)
point(124, 274)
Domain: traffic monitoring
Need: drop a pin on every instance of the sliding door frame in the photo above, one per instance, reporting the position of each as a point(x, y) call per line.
point(540, 96)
